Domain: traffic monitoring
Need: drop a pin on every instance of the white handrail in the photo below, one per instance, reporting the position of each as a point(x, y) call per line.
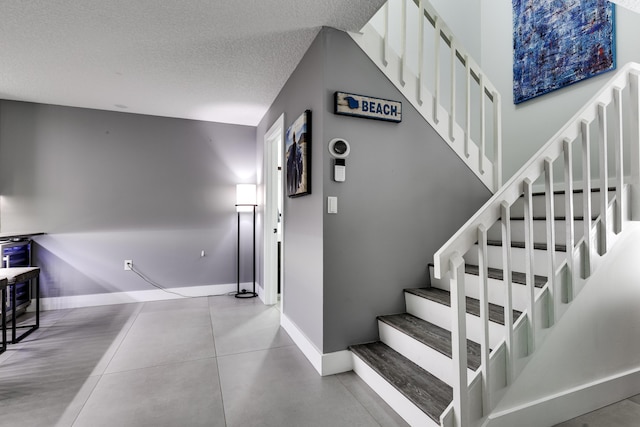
point(608, 101)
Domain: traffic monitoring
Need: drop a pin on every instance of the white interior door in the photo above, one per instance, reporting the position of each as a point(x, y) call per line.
point(273, 215)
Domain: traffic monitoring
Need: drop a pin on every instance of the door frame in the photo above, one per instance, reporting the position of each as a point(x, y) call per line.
point(273, 141)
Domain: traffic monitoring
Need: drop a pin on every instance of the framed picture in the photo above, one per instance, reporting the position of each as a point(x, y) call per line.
point(558, 43)
point(298, 156)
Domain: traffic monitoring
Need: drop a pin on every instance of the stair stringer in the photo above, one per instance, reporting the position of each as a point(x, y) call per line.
point(500, 388)
point(423, 101)
point(500, 374)
point(580, 392)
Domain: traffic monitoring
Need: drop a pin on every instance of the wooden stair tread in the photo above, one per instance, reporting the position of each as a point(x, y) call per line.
point(431, 335)
point(556, 218)
point(426, 391)
point(575, 191)
point(497, 274)
point(496, 312)
point(536, 246)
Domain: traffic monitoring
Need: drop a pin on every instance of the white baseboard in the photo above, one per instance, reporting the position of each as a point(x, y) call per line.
point(325, 364)
point(77, 301)
point(568, 404)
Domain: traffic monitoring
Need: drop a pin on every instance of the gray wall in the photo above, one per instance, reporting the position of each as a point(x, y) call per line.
point(110, 186)
point(303, 216)
point(406, 193)
point(464, 21)
point(528, 126)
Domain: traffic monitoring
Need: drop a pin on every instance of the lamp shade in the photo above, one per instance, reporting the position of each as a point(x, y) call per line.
point(245, 197)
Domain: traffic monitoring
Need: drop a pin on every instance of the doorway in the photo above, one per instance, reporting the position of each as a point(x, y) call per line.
point(273, 213)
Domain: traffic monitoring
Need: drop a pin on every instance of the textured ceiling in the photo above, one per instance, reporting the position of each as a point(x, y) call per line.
point(629, 4)
point(213, 60)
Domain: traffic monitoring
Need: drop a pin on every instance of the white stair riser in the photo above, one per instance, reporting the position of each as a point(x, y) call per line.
point(427, 358)
point(539, 231)
point(518, 259)
point(539, 204)
point(441, 315)
point(403, 406)
point(495, 288)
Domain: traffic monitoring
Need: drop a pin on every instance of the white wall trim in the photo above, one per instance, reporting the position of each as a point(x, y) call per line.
point(325, 364)
point(275, 135)
point(92, 300)
point(568, 404)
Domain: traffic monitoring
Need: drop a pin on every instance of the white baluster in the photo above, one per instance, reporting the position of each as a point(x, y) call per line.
point(467, 124)
point(586, 197)
point(385, 40)
point(436, 62)
point(483, 126)
point(569, 214)
point(403, 55)
point(604, 177)
point(452, 112)
point(529, 261)
point(459, 341)
point(484, 317)
point(497, 142)
point(551, 238)
point(617, 99)
point(508, 300)
point(420, 50)
point(634, 146)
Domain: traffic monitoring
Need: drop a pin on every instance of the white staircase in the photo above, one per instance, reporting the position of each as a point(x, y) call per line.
point(503, 281)
point(415, 49)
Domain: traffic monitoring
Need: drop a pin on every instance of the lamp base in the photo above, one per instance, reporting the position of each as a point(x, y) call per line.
point(245, 294)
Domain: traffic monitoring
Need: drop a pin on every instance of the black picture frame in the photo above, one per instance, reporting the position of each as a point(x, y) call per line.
point(297, 156)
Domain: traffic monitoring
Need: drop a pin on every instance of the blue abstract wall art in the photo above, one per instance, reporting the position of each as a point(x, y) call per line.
point(560, 42)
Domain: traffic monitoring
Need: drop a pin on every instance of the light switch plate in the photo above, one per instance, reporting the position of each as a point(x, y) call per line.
point(332, 205)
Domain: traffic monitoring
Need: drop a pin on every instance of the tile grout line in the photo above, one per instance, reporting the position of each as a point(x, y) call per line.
point(215, 350)
point(358, 400)
point(135, 317)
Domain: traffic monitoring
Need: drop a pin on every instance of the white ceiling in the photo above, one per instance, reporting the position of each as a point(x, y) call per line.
point(633, 5)
point(213, 60)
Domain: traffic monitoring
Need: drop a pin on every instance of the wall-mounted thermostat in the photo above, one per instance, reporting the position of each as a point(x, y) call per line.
point(339, 149)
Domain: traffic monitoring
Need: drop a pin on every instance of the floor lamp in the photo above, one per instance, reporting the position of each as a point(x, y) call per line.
point(246, 202)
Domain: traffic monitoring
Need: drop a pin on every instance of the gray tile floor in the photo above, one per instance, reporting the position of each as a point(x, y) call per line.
point(217, 361)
